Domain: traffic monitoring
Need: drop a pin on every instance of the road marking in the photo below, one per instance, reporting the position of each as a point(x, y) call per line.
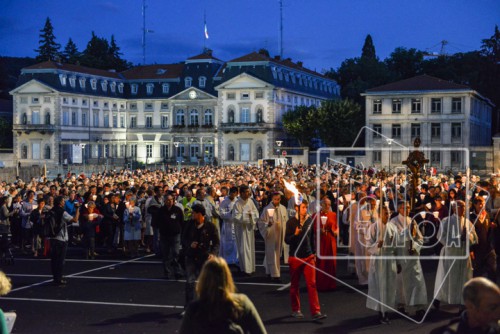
point(92, 302)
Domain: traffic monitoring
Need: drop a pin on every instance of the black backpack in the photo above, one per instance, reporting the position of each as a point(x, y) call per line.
point(50, 226)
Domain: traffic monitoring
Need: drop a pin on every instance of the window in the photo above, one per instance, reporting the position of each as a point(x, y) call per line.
point(396, 157)
point(104, 85)
point(149, 122)
point(259, 95)
point(456, 157)
point(148, 106)
point(133, 106)
point(208, 117)
point(65, 118)
point(230, 116)
point(74, 101)
point(23, 100)
point(133, 150)
point(179, 117)
point(112, 86)
point(416, 106)
point(259, 152)
point(82, 83)
point(377, 106)
point(96, 104)
point(377, 156)
point(230, 153)
point(123, 149)
point(84, 102)
point(74, 118)
point(115, 121)
point(436, 106)
point(202, 82)
point(133, 89)
point(35, 117)
point(106, 104)
point(72, 81)
point(122, 121)
point(96, 119)
point(377, 130)
point(188, 81)
point(149, 89)
point(24, 151)
point(260, 118)
point(164, 122)
point(231, 96)
point(65, 100)
point(396, 131)
point(164, 151)
point(396, 106)
point(120, 88)
point(456, 105)
point(133, 122)
point(415, 130)
point(245, 96)
point(106, 120)
point(456, 130)
point(435, 130)
point(193, 117)
point(165, 88)
point(115, 106)
point(47, 118)
point(93, 84)
point(35, 151)
point(149, 150)
point(245, 115)
point(84, 119)
point(435, 157)
point(46, 152)
point(164, 106)
point(62, 79)
point(35, 100)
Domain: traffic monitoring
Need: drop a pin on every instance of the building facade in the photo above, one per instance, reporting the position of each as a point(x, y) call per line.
point(447, 117)
point(196, 111)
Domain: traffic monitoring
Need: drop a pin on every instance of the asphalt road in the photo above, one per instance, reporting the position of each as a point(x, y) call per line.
point(113, 294)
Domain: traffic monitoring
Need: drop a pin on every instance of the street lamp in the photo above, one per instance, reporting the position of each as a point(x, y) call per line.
point(83, 156)
point(389, 142)
point(176, 144)
point(278, 143)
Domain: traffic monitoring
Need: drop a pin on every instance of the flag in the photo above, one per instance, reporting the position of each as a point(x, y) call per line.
point(206, 31)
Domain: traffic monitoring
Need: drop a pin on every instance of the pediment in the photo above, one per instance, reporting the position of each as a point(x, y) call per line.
point(192, 94)
point(244, 80)
point(33, 87)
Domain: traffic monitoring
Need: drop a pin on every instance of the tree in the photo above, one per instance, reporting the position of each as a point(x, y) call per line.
point(368, 50)
point(114, 56)
point(96, 53)
point(490, 47)
point(48, 48)
point(302, 124)
point(340, 122)
point(405, 63)
point(70, 54)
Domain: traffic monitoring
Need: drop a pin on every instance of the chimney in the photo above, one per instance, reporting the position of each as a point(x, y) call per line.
point(299, 63)
point(277, 58)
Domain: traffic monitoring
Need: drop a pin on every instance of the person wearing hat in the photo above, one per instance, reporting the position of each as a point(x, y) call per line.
point(456, 234)
point(201, 242)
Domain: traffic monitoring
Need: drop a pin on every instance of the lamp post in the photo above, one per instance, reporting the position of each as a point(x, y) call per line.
point(278, 143)
point(83, 156)
point(176, 144)
point(389, 142)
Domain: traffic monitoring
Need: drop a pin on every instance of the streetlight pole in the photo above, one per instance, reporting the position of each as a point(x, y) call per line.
point(83, 156)
point(278, 143)
point(176, 144)
point(389, 142)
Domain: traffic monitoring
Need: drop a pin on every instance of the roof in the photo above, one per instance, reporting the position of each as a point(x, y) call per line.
point(163, 71)
point(72, 68)
point(419, 83)
point(204, 55)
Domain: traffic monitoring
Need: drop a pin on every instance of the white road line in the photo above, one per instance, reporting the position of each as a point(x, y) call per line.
point(92, 303)
point(90, 261)
point(284, 287)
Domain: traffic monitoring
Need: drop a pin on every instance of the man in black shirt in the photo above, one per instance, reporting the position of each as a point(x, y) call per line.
point(302, 261)
point(169, 226)
point(200, 242)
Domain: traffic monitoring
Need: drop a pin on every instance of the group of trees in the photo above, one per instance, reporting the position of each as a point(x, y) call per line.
point(479, 70)
point(99, 53)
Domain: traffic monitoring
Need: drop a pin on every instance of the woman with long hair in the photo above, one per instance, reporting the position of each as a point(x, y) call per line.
point(219, 308)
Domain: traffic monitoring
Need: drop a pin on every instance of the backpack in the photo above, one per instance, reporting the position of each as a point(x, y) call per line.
point(50, 226)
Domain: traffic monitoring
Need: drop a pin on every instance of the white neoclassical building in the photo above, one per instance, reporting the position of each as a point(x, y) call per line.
point(448, 118)
point(194, 111)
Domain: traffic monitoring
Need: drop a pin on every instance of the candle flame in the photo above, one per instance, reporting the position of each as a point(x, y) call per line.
point(291, 187)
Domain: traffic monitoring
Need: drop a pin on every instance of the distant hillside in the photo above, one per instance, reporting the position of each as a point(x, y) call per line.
point(10, 68)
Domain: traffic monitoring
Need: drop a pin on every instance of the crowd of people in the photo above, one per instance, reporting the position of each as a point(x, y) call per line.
point(303, 213)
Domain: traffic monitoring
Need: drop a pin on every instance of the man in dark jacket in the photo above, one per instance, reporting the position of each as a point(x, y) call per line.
point(200, 242)
point(169, 226)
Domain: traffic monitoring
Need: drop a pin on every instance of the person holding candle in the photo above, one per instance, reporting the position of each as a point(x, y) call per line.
point(272, 227)
point(326, 232)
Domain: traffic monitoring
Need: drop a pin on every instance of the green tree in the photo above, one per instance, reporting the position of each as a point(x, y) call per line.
point(96, 53)
point(48, 49)
point(70, 54)
point(340, 122)
point(368, 50)
point(404, 63)
point(114, 56)
point(490, 47)
point(302, 124)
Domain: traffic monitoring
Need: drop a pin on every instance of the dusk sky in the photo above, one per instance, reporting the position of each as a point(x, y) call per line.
point(321, 33)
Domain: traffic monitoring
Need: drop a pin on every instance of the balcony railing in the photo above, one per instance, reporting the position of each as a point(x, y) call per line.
point(42, 128)
point(251, 127)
